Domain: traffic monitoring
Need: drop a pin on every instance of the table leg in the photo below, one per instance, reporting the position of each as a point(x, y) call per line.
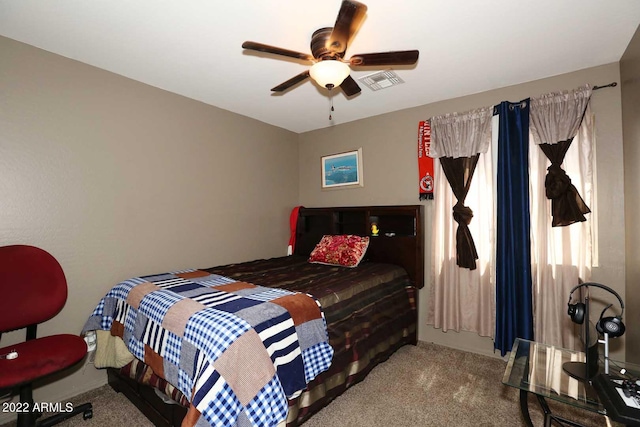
point(524, 407)
point(548, 416)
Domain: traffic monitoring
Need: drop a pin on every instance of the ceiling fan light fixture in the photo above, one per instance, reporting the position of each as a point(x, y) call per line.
point(329, 73)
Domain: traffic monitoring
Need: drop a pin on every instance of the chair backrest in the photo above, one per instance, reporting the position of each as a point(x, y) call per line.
point(33, 287)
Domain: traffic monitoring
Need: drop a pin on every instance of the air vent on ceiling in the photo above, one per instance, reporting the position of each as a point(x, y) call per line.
point(381, 80)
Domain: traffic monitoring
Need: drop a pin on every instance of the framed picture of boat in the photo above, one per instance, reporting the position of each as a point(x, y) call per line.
point(342, 170)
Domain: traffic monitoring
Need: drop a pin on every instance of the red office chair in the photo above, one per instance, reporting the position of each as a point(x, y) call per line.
point(33, 289)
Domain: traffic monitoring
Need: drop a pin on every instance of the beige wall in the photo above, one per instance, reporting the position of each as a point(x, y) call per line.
point(630, 76)
point(389, 144)
point(118, 179)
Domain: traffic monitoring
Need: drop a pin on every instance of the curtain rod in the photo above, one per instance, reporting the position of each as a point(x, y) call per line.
point(614, 84)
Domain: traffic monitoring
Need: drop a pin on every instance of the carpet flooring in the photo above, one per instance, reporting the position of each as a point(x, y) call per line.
point(424, 385)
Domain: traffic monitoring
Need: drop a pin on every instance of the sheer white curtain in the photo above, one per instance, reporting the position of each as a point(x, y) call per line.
point(462, 299)
point(561, 256)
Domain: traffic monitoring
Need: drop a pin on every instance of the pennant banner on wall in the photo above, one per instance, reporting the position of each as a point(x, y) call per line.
point(425, 163)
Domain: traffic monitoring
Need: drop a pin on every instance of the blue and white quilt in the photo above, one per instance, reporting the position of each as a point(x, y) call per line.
point(237, 351)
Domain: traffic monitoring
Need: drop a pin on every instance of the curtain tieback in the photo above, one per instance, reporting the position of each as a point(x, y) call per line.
point(567, 207)
point(462, 214)
point(466, 253)
point(557, 182)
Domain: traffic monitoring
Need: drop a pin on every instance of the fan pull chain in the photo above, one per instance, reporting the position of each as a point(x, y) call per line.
point(331, 109)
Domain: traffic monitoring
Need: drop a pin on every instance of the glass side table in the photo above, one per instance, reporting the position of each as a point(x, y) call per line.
point(537, 368)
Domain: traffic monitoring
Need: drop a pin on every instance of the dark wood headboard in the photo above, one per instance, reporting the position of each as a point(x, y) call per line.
point(400, 240)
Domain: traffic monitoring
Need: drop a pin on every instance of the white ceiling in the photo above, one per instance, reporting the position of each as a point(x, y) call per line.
point(193, 47)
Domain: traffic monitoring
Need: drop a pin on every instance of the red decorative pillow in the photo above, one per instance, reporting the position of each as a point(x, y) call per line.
point(346, 250)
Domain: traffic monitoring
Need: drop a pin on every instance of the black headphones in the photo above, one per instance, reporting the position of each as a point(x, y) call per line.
point(610, 325)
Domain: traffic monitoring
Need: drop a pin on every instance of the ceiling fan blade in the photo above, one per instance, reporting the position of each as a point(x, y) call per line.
point(291, 82)
point(349, 19)
point(260, 47)
point(400, 57)
point(350, 87)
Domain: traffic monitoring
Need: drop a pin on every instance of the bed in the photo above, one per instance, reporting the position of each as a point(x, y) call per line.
point(369, 310)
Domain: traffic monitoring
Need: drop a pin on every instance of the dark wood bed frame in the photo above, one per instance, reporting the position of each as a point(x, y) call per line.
point(400, 241)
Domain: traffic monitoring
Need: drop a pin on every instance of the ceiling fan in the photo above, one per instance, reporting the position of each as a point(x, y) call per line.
point(328, 46)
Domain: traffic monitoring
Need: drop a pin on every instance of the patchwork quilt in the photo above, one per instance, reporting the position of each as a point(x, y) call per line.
point(236, 350)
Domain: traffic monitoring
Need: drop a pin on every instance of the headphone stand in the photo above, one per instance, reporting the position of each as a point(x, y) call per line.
point(581, 370)
point(605, 341)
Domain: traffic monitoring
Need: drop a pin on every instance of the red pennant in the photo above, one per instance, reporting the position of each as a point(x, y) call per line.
point(425, 163)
